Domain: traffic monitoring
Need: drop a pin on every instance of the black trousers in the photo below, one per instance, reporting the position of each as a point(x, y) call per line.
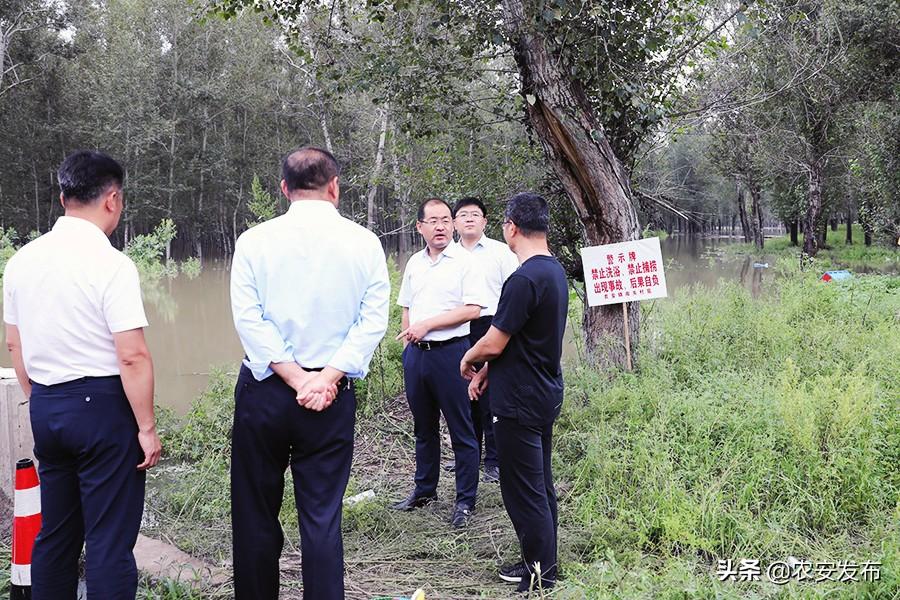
point(85, 439)
point(271, 431)
point(481, 408)
point(526, 484)
point(434, 386)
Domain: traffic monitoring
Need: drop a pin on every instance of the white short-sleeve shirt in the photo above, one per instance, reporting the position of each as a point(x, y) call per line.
point(430, 288)
point(497, 262)
point(67, 292)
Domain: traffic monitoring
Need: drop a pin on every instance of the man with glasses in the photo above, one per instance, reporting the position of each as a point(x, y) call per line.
point(497, 262)
point(442, 290)
point(524, 348)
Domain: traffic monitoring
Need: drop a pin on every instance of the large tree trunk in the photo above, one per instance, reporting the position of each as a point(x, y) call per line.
point(581, 157)
point(813, 209)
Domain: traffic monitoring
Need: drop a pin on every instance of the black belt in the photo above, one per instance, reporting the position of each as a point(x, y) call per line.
point(432, 344)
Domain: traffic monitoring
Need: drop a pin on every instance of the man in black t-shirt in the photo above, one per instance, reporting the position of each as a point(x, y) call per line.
point(523, 349)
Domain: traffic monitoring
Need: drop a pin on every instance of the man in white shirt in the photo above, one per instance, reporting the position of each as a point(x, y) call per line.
point(74, 327)
point(309, 296)
point(442, 291)
point(497, 262)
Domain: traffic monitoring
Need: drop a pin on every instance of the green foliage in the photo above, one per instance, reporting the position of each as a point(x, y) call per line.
point(147, 251)
point(262, 205)
point(8, 247)
point(191, 267)
point(776, 436)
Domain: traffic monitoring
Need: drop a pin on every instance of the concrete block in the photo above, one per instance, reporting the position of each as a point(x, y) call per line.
point(16, 439)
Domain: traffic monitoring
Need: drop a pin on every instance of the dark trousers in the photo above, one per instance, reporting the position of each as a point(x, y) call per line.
point(434, 386)
point(85, 439)
point(526, 484)
point(481, 408)
point(272, 431)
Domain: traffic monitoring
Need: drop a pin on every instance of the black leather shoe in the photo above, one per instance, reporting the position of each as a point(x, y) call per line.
point(491, 474)
point(413, 502)
point(460, 517)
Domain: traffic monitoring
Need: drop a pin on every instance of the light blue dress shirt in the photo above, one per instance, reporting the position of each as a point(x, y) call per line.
point(311, 287)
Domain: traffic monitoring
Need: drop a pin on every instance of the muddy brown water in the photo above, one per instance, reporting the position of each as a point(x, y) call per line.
point(191, 329)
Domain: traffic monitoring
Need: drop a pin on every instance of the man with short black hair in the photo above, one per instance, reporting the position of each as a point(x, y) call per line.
point(309, 295)
point(442, 291)
point(74, 327)
point(497, 262)
point(523, 348)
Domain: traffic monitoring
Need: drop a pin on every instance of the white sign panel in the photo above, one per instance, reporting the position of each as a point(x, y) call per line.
point(624, 272)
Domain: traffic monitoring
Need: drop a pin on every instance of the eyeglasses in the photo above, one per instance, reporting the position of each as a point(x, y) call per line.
point(466, 215)
point(433, 221)
point(507, 222)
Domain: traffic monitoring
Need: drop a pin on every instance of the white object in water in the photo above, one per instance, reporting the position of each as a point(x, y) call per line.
point(361, 497)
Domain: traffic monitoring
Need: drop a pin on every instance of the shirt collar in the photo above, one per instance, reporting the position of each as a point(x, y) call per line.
point(83, 226)
point(311, 207)
point(481, 242)
point(450, 252)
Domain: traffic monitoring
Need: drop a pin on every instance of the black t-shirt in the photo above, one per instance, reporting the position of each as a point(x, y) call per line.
point(526, 380)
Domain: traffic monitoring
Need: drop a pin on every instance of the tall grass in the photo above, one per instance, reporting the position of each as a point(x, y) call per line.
point(753, 429)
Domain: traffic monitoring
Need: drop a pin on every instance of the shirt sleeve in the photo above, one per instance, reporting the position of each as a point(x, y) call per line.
point(516, 304)
point(262, 341)
point(9, 298)
point(355, 352)
point(123, 308)
point(404, 295)
point(474, 284)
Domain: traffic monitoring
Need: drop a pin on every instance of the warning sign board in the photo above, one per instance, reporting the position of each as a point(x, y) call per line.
point(624, 272)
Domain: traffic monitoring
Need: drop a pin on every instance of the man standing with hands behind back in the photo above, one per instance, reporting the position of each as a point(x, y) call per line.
point(309, 294)
point(442, 291)
point(523, 348)
point(74, 327)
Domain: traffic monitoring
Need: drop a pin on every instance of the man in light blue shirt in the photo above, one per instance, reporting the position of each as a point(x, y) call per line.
point(309, 295)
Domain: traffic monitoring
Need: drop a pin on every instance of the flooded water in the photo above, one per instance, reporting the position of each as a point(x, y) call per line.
point(191, 330)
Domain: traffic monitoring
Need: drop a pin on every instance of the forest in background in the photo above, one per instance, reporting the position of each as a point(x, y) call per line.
point(725, 116)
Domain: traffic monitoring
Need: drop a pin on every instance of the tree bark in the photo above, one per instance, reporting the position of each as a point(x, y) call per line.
point(813, 209)
point(849, 238)
point(756, 215)
point(580, 154)
point(402, 193)
point(742, 212)
point(795, 233)
point(376, 173)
